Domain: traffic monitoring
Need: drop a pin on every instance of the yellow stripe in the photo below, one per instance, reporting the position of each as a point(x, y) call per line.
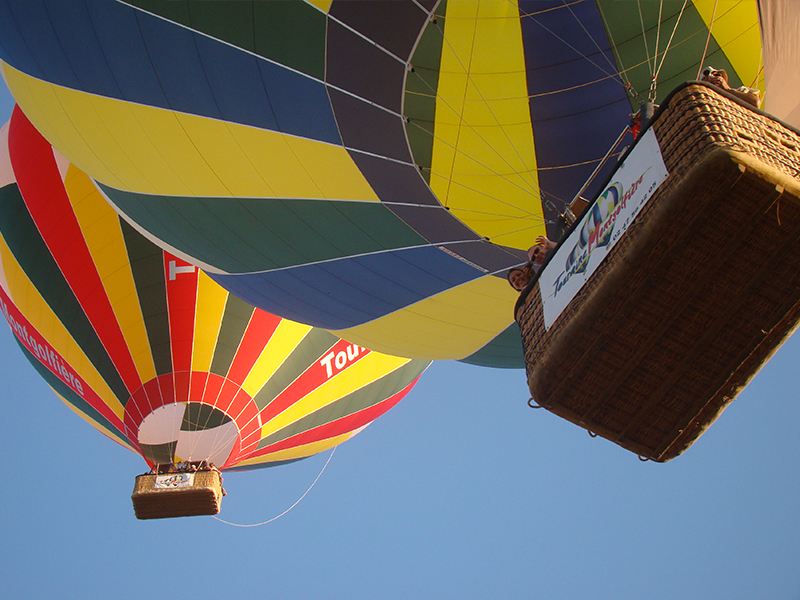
point(103, 235)
point(450, 325)
point(484, 160)
point(323, 5)
point(31, 304)
point(372, 367)
point(156, 151)
point(284, 340)
point(211, 299)
point(109, 434)
point(736, 30)
point(299, 451)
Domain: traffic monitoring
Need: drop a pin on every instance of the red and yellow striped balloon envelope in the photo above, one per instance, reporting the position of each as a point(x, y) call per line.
point(153, 353)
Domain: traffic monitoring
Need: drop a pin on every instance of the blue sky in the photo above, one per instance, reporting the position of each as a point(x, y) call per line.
point(461, 491)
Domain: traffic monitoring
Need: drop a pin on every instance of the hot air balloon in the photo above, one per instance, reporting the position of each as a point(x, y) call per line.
point(372, 168)
point(153, 353)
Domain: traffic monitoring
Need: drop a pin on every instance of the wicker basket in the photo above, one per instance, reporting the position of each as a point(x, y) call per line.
point(694, 299)
point(177, 495)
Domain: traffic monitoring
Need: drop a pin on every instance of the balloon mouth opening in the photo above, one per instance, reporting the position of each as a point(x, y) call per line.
point(187, 431)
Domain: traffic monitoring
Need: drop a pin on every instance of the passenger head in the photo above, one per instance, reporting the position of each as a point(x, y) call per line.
point(519, 278)
point(718, 77)
point(538, 253)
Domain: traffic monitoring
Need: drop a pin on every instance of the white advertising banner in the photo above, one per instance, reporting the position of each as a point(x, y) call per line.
point(174, 480)
point(590, 242)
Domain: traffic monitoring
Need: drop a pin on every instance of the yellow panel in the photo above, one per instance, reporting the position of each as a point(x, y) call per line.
point(103, 235)
point(299, 451)
point(323, 5)
point(370, 368)
point(211, 299)
point(32, 305)
point(112, 436)
point(451, 325)
point(736, 30)
point(284, 340)
point(484, 160)
point(155, 151)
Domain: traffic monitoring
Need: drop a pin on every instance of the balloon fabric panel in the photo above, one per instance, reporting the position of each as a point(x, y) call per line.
point(180, 412)
point(102, 233)
point(305, 113)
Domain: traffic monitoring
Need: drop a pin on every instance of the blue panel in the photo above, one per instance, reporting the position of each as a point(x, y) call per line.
point(82, 52)
point(315, 120)
point(351, 291)
point(28, 37)
point(581, 123)
point(186, 87)
point(114, 50)
point(123, 48)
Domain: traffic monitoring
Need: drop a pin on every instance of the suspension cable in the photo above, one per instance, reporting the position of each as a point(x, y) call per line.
point(708, 39)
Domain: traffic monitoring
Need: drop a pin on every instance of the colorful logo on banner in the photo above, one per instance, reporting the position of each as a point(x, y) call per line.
point(174, 480)
point(596, 232)
point(602, 226)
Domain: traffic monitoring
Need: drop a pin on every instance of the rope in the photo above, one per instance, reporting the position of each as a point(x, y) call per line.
point(672, 35)
point(644, 38)
point(708, 39)
point(288, 509)
point(666, 49)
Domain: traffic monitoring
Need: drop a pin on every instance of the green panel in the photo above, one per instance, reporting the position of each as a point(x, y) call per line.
point(503, 352)
point(419, 103)
point(312, 347)
point(28, 247)
point(161, 454)
point(265, 233)
point(361, 399)
point(293, 34)
point(684, 52)
point(70, 395)
point(234, 323)
point(199, 417)
point(289, 32)
point(147, 268)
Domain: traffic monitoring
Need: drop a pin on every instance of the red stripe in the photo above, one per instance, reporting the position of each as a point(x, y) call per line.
point(226, 396)
point(43, 191)
point(335, 428)
point(166, 384)
point(182, 386)
point(50, 358)
point(181, 278)
point(256, 337)
point(197, 385)
point(314, 376)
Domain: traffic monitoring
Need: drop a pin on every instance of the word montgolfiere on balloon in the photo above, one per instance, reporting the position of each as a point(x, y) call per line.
point(150, 350)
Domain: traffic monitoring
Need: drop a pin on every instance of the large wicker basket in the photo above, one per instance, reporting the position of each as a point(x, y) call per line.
point(157, 497)
point(694, 299)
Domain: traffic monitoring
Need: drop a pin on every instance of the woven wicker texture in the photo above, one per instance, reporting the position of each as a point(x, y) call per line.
point(698, 294)
point(203, 498)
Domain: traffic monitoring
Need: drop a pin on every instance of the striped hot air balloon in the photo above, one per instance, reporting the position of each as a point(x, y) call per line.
point(153, 353)
point(373, 168)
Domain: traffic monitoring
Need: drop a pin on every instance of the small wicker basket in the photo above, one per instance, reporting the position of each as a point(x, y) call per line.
point(177, 495)
point(702, 289)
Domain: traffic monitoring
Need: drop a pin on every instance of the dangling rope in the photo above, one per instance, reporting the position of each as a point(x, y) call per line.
point(288, 509)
